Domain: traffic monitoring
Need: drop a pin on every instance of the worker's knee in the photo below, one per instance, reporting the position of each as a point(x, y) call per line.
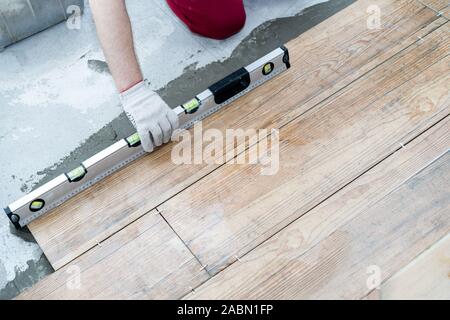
point(222, 25)
point(216, 19)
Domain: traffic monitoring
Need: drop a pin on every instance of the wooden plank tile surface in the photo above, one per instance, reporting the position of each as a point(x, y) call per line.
point(325, 60)
point(435, 5)
point(426, 277)
point(347, 246)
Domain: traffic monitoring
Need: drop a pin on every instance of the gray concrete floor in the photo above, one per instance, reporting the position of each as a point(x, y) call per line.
point(59, 104)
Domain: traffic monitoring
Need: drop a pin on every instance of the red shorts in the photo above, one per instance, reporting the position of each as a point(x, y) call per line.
point(217, 19)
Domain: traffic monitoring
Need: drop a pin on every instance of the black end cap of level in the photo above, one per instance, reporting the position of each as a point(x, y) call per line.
point(286, 58)
point(10, 217)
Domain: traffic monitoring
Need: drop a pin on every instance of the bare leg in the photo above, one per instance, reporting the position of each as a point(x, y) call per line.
point(115, 35)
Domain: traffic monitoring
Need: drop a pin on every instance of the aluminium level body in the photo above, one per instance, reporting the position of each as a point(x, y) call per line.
point(116, 156)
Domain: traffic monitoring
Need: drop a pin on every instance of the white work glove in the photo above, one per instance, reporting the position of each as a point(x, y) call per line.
point(153, 119)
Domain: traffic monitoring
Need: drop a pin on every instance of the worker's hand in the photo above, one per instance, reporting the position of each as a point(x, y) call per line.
point(153, 119)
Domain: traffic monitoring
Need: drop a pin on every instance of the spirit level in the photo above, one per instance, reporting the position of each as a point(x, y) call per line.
point(116, 156)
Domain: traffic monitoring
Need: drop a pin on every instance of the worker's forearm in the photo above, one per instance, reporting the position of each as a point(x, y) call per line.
point(114, 31)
